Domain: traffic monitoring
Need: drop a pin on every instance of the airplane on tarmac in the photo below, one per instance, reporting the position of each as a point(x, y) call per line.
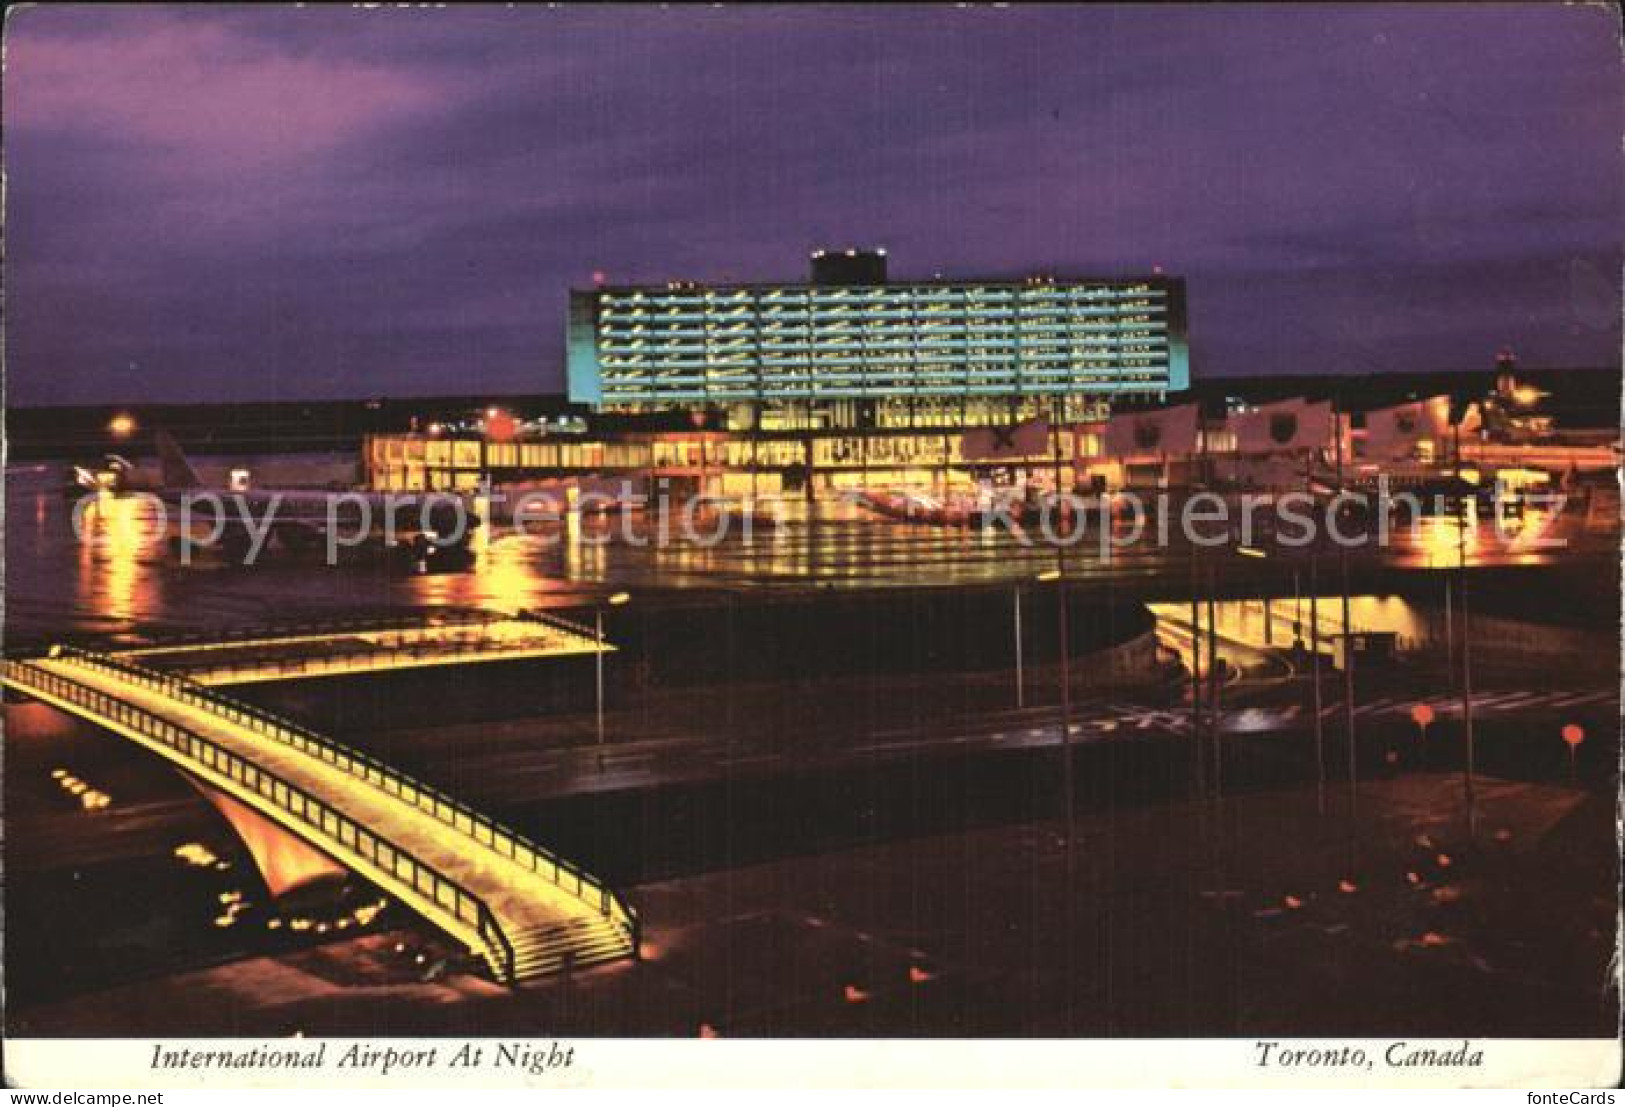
point(241, 522)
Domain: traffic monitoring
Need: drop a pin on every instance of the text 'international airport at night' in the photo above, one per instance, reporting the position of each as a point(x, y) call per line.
point(907, 649)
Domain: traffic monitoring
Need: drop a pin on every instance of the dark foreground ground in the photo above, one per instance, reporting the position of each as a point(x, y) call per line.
point(1252, 915)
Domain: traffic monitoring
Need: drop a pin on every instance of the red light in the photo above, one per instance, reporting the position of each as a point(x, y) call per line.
point(1574, 734)
point(500, 426)
point(1422, 715)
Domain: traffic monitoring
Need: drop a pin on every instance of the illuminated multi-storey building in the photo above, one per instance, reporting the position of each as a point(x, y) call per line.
point(831, 354)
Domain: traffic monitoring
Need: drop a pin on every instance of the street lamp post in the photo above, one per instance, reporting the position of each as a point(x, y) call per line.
point(1314, 666)
point(615, 600)
point(1348, 640)
point(1469, 768)
point(1067, 847)
point(1059, 579)
point(1214, 679)
point(1021, 678)
point(1200, 781)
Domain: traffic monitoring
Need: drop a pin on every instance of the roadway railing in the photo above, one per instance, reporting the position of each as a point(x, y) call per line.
point(368, 656)
point(453, 813)
point(441, 890)
point(558, 622)
point(314, 628)
point(438, 623)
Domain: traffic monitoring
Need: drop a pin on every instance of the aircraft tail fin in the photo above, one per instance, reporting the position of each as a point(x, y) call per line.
point(178, 472)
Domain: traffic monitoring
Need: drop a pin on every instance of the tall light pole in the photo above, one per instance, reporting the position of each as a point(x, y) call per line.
point(1469, 767)
point(1200, 782)
point(1058, 575)
point(615, 600)
point(1314, 666)
point(1214, 682)
point(1348, 637)
point(1059, 578)
point(1021, 678)
point(1068, 852)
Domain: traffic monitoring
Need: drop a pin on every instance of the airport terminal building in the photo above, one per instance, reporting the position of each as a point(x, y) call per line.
point(848, 379)
point(849, 350)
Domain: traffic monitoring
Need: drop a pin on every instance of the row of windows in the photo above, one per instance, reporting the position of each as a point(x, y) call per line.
point(850, 341)
point(801, 317)
point(881, 384)
point(885, 294)
point(396, 453)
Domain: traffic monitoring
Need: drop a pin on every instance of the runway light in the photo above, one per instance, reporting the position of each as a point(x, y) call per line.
point(707, 1030)
point(917, 975)
point(619, 598)
point(1292, 903)
point(855, 994)
point(1347, 887)
point(1444, 860)
point(1250, 551)
point(121, 425)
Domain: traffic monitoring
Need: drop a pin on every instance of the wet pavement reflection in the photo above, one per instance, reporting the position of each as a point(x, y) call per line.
point(125, 582)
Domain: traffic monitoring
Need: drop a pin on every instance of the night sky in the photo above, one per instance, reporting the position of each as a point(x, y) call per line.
point(286, 204)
